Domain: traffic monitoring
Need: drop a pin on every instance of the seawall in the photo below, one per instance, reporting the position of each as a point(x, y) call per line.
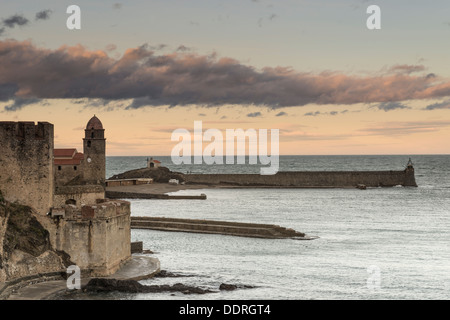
point(254, 230)
point(310, 179)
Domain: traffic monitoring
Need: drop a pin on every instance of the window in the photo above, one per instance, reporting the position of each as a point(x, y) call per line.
point(59, 168)
point(92, 134)
point(75, 168)
point(89, 143)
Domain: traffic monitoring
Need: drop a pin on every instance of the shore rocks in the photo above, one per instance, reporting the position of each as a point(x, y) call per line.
point(131, 286)
point(159, 175)
point(103, 285)
point(231, 287)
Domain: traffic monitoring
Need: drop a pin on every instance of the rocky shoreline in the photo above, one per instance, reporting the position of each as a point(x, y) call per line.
point(104, 286)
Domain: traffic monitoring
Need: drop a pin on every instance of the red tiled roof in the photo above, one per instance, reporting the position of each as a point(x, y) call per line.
point(74, 162)
point(64, 153)
point(79, 156)
point(67, 157)
point(156, 161)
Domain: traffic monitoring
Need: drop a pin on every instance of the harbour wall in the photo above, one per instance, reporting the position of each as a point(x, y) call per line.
point(310, 179)
point(254, 230)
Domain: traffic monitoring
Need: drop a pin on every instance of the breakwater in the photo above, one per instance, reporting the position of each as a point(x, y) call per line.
point(254, 230)
point(161, 196)
point(310, 179)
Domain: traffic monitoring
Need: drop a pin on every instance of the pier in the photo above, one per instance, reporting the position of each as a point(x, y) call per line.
point(161, 196)
point(254, 230)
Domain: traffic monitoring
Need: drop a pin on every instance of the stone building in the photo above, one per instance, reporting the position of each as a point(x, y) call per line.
point(67, 190)
point(152, 163)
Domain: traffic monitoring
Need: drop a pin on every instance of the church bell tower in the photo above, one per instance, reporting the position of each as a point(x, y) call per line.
point(94, 149)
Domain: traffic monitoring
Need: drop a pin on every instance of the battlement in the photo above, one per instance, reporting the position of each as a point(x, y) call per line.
point(104, 209)
point(27, 130)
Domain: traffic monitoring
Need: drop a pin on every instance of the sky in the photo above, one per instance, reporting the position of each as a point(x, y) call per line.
point(311, 69)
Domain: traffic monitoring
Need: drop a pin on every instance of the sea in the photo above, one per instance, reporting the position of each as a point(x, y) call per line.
point(380, 243)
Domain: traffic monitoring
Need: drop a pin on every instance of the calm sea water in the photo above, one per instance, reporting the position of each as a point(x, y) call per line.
point(381, 243)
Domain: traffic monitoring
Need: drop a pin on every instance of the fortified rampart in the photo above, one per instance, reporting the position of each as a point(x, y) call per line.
point(26, 164)
point(95, 232)
point(310, 179)
point(77, 195)
point(96, 236)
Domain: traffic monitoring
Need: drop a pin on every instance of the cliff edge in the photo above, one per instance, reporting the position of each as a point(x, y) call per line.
point(25, 248)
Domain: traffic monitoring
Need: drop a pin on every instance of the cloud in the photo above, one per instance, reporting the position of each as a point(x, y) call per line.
point(407, 69)
point(405, 128)
point(19, 103)
point(43, 15)
point(110, 47)
point(389, 106)
point(15, 20)
point(319, 113)
point(117, 6)
point(183, 48)
point(254, 114)
point(442, 105)
point(186, 78)
point(7, 91)
point(280, 114)
point(313, 114)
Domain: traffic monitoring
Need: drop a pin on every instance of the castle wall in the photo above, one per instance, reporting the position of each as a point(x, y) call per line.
point(26, 163)
point(82, 194)
point(66, 173)
point(97, 237)
point(310, 179)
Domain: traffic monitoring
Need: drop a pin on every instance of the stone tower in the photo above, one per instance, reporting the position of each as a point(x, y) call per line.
point(94, 146)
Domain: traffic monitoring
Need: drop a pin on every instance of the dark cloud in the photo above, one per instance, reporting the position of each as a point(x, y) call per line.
point(43, 15)
point(442, 105)
point(313, 114)
point(15, 20)
point(333, 113)
point(19, 103)
point(254, 114)
point(117, 6)
point(389, 106)
point(7, 91)
point(186, 78)
point(280, 114)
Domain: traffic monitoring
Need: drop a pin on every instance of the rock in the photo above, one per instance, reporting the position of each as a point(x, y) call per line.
point(159, 175)
point(230, 287)
point(25, 248)
point(167, 274)
point(227, 287)
point(132, 286)
point(109, 285)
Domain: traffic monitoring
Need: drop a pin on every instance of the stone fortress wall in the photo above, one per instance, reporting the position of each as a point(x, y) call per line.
point(26, 164)
point(94, 231)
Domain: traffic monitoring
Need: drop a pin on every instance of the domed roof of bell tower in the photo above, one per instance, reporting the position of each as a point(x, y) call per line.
point(94, 123)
